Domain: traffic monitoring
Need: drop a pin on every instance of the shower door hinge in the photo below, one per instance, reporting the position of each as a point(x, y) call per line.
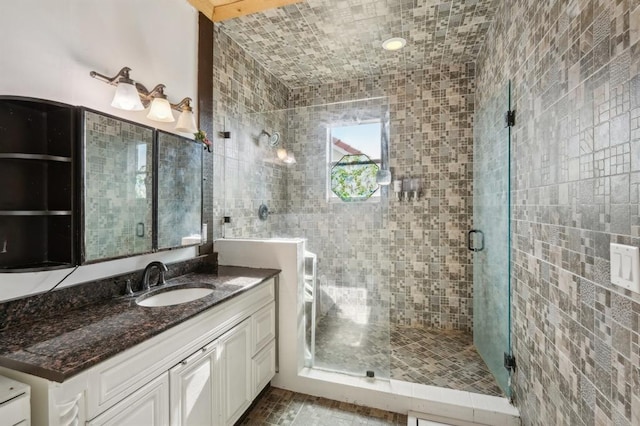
point(510, 118)
point(509, 362)
point(224, 135)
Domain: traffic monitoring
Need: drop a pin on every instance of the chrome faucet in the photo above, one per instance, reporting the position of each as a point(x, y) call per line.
point(162, 268)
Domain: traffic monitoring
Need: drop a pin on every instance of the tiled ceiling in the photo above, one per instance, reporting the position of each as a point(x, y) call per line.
point(323, 41)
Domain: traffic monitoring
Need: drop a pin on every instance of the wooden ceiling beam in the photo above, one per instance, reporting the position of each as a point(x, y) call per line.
point(204, 6)
point(221, 10)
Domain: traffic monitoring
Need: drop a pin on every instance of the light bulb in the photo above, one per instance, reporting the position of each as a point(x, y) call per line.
point(127, 97)
point(160, 111)
point(187, 122)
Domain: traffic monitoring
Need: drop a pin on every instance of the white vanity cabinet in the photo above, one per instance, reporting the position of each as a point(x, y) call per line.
point(206, 370)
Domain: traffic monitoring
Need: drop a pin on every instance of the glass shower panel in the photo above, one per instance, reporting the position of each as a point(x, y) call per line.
point(349, 239)
point(282, 159)
point(491, 239)
point(254, 177)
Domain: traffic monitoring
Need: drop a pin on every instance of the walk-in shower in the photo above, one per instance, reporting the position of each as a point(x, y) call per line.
point(393, 288)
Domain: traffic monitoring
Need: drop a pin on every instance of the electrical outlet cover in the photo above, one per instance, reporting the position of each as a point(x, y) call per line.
point(625, 266)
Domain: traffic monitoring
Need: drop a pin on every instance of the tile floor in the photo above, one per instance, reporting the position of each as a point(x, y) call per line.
point(444, 358)
point(282, 407)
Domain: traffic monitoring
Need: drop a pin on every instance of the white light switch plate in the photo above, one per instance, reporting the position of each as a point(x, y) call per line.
point(625, 266)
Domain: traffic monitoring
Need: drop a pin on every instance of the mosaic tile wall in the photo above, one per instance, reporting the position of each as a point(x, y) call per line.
point(576, 72)
point(118, 187)
point(179, 189)
point(245, 170)
point(428, 265)
point(420, 246)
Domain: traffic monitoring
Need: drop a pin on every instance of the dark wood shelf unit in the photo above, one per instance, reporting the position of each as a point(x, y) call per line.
point(37, 166)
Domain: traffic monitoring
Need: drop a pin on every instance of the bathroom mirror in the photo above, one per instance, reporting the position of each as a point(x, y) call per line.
point(118, 187)
point(179, 191)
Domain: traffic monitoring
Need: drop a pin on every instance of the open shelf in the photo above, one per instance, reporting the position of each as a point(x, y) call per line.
point(36, 185)
point(37, 151)
point(39, 157)
point(35, 212)
point(36, 127)
point(30, 241)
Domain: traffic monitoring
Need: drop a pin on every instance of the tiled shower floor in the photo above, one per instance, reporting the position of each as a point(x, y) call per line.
point(445, 358)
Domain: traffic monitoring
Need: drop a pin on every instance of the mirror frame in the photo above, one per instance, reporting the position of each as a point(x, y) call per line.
point(80, 176)
point(156, 188)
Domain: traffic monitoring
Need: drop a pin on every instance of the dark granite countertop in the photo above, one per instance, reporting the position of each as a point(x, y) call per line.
point(60, 347)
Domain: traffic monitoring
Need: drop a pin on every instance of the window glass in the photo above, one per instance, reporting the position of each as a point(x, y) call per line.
point(356, 139)
point(354, 159)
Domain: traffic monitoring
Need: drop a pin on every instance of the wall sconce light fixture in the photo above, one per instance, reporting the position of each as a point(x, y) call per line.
point(160, 107)
point(132, 96)
point(126, 96)
point(186, 120)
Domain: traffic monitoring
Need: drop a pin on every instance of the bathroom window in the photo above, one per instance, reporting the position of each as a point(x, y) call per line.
point(354, 154)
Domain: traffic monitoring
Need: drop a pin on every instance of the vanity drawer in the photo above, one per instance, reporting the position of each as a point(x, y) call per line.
point(15, 402)
point(15, 411)
point(263, 325)
point(148, 406)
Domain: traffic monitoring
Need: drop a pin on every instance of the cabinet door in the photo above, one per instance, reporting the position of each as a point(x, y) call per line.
point(264, 367)
point(192, 394)
point(235, 371)
point(147, 406)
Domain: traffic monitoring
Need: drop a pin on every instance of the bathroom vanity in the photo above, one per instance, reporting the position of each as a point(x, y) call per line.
point(200, 362)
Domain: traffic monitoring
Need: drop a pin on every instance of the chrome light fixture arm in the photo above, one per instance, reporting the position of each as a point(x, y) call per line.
point(123, 73)
point(146, 96)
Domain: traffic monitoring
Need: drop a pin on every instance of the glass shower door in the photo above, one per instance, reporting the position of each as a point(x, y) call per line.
point(349, 332)
point(490, 239)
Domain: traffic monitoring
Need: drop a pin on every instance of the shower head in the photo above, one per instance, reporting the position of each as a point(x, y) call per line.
point(273, 139)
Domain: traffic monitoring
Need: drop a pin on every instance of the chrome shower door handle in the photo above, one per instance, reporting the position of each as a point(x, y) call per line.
point(471, 240)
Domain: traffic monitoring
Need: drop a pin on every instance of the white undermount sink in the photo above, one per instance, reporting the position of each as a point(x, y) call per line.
point(174, 296)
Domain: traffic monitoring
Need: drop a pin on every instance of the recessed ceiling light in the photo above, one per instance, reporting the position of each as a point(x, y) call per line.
point(394, 43)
